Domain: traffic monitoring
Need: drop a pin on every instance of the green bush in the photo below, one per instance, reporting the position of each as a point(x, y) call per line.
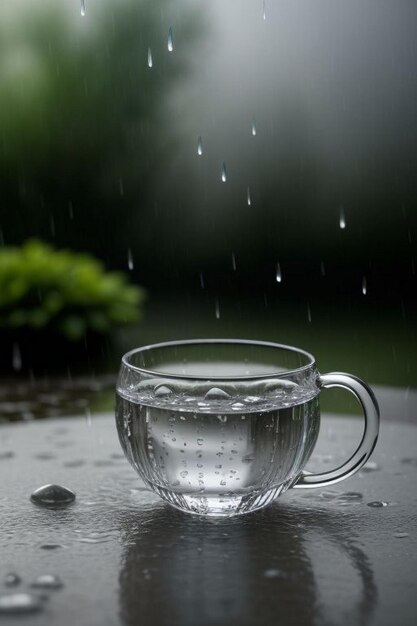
point(62, 291)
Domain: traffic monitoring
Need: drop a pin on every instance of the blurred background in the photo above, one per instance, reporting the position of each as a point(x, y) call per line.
point(247, 168)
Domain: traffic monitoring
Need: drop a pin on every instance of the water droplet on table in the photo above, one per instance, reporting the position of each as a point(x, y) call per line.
point(47, 581)
point(52, 496)
point(94, 538)
point(170, 40)
point(199, 146)
point(350, 495)
point(150, 59)
point(12, 580)
point(223, 173)
point(16, 603)
point(377, 504)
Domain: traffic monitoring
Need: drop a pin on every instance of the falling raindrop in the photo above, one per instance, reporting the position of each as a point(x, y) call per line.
point(248, 197)
point(16, 358)
point(278, 274)
point(253, 129)
point(82, 8)
point(264, 10)
point(52, 495)
point(130, 263)
point(47, 581)
point(342, 218)
point(233, 261)
point(401, 535)
point(170, 40)
point(70, 210)
point(88, 416)
point(364, 286)
point(199, 146)
point(224, 173)
point(217, 310)
point(377, 504)
point(150, 59)
point(15, 603)
point(308, 313)
point(202, 280)
point(322, 268)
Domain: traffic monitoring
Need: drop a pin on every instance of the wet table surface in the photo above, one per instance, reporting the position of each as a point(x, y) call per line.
point(124, 557)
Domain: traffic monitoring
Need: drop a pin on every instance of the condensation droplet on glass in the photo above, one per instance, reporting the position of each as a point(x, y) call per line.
point(233, 261)
point(130, 263)
point(16, 358)
point(253, 129)
point(364, 286)
point(15, 603)
point(199, 146)
point(342, 218)
point(150, 59)
point(248, 197)
point(217, 309)
point(278, 274)
point(170, 40)
point(12, 580)
point(224, 173)
point(47, 581)
point(82, 8)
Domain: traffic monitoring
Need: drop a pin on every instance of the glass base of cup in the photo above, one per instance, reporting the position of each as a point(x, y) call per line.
point(221, 505)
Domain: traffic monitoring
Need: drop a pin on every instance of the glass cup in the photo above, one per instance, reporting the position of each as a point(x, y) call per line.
point(223, 427)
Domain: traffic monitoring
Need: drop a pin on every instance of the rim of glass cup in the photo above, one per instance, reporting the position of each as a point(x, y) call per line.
point(165, 344)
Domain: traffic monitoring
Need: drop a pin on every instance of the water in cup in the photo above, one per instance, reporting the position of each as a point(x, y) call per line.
point(218, 454)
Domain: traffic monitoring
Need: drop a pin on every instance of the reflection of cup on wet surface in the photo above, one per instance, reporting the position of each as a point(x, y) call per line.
point(246, 570)
point(223, 427)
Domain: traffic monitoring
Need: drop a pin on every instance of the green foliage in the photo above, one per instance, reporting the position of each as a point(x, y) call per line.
point(62, 291)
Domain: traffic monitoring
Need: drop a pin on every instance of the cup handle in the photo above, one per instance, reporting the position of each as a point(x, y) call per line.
point(369, 438)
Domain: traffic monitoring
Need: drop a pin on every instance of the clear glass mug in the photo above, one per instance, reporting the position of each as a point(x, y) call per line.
point(223, 427)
